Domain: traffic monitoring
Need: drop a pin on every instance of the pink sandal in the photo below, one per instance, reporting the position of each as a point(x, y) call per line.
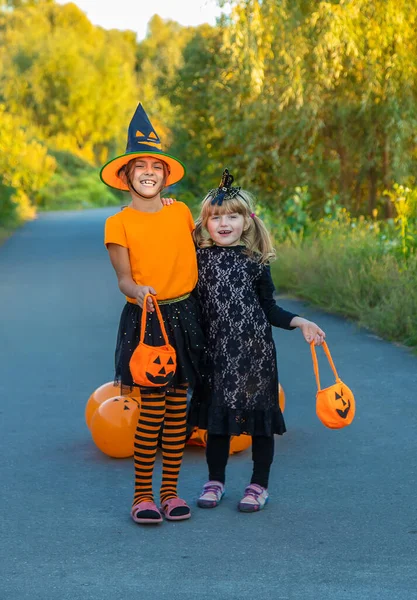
point(146, 513)
point(176, 509)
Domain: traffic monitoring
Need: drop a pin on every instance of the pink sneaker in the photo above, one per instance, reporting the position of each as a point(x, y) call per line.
point(254, 499)
point(212, 493)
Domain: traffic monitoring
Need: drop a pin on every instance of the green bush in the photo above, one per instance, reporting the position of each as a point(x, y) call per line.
point(353, 271)
point(70, 163)
point(8, 217)
point(76, 185)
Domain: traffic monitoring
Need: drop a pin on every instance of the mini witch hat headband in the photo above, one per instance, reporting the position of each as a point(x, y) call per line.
point(142, 140)
point(225, 191)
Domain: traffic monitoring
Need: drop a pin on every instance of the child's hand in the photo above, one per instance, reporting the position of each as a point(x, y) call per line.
point(167, 201)
point(310, 331)
point(142, 290)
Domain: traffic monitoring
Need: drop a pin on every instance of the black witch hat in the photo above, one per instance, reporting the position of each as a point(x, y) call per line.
point(142, 140)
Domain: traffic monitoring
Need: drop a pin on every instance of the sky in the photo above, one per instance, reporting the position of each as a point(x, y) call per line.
point(135, 14)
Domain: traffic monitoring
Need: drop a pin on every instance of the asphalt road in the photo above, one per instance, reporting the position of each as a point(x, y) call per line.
point(341, 523)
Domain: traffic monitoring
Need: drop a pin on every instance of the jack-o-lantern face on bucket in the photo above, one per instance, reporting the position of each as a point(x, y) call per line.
point(153, 365)
point(161, 370)
point(335, 405)
point(344, 404)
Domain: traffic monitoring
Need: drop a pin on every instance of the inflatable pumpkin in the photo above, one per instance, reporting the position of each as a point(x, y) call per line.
point(102, 393)
point(238, 443)
point(198, 437)
point(281, 397)
point(114, 424)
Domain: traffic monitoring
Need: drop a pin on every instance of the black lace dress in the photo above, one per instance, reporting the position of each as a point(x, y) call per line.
point(239, 378)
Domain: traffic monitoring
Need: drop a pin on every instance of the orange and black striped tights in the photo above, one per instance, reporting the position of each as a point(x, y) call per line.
point(166, 409)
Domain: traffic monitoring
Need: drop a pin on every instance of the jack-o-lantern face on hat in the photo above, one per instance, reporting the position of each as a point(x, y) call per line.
point(161, 370)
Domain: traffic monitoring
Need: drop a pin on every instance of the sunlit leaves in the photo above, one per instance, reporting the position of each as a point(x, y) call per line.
point(324, 94)
point(74, 82)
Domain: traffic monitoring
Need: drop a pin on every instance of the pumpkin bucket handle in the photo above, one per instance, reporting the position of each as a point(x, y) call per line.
point(316, 366)
point(159, 315)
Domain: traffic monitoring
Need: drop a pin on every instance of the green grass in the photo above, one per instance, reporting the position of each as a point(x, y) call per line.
point(5, 233)
point(356, 280)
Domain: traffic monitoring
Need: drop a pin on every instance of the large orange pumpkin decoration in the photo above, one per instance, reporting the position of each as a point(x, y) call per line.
point(198, 437)
point(152, 366)
point(335, 405)
point(238, 443)
point(113, 426)
point(102, 393)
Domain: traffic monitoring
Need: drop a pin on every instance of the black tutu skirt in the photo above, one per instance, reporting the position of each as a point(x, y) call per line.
point(182, 324)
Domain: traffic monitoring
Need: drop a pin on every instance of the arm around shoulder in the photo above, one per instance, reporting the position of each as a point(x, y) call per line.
point(188, 215)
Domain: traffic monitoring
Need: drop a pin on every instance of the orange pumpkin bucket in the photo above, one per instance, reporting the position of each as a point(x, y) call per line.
point(335, 405)
point(153, 366)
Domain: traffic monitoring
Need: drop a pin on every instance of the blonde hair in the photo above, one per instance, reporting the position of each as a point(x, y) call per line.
point(255, 236)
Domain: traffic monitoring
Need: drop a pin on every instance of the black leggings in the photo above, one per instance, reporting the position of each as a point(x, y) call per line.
point(217, 454)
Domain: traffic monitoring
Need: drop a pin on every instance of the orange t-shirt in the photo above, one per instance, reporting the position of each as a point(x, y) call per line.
point(161, 248)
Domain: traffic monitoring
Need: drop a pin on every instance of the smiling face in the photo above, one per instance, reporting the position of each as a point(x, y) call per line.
point(226, 229)
point(161, 370)
point(147, 176)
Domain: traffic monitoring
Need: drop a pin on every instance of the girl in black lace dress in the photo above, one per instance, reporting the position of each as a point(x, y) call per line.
point(239, 391)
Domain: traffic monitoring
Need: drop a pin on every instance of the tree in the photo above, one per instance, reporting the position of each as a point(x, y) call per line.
point(25, 168)
point(73, 82)
point(159, 57)
point(199, 90)
point(324, 96)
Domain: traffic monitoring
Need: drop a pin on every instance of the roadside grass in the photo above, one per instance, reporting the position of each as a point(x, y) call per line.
point(5, 233)
point(359, 281)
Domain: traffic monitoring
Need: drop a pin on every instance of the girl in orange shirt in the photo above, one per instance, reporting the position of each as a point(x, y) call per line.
point(152, 251)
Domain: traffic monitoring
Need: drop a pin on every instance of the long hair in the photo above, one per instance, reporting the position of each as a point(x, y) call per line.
point(255, 236)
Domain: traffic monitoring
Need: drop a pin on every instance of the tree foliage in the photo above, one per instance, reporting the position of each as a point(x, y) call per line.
point(324, 95)
point(74, 82)
point(301, 94)
point(64, 85)
point(25, 167)
point(199, 90)
point(159, 58)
